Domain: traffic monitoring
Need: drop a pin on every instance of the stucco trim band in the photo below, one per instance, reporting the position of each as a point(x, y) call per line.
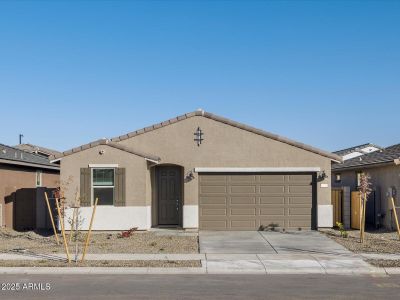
point(325, 216)
point(257, 170)
point(112, 217)
point(190, 216)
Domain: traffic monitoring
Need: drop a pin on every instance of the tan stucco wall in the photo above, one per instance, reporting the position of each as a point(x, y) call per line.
point(223, 146)
point(13, 178)
point(136, 170)
point(382, 178)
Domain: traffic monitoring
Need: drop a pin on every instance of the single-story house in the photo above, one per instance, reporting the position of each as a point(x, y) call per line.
point(24, 177)
point(384, 168)
point(42, 151)
point(199, 170)
point(357, 151)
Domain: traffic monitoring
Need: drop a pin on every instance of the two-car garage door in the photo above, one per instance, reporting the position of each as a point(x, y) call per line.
point(229, 201)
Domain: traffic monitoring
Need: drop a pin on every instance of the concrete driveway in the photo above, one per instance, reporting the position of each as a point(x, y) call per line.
point(263, 242)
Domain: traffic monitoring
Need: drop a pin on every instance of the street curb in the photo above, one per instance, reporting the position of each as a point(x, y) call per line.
point(191, 270)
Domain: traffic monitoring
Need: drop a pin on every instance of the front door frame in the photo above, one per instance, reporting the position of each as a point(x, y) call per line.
point(179, 169)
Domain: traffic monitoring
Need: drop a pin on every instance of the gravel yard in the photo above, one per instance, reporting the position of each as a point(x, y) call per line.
point(139, 242)
point(104, 263)
point(385, 263)
point(375, 241)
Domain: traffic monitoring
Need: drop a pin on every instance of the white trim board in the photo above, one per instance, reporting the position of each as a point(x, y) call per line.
point(103, 165)
point(257, 170)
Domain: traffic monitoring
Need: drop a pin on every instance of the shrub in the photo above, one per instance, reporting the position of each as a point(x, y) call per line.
point(343, 232)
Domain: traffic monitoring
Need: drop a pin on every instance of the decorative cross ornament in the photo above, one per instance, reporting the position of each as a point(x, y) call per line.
point(198, 136)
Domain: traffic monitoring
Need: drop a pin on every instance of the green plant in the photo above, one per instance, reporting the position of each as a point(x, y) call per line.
point(343, 232)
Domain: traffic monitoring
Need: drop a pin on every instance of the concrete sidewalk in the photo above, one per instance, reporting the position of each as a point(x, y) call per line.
point(215, 263)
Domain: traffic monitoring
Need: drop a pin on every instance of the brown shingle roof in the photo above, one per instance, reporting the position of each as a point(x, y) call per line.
point(108, 143)
point(231, 123)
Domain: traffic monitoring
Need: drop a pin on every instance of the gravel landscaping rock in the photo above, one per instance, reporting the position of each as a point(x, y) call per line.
point(375, 241)
point(384, 263)
point(139, 242)
point(104, 263)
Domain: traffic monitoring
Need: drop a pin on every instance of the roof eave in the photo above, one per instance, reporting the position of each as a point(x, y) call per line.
point(366, 166)
point(27, 164)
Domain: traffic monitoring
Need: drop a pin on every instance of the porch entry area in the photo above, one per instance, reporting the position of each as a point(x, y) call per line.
point(169, 190)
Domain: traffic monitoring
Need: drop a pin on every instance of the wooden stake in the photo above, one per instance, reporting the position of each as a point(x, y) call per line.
point(90, 229)
point(361, 218)
point(60, 217)
point(364, 210)
point(51, 218)
point(395, 217)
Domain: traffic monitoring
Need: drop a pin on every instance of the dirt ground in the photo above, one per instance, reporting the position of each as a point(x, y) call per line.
point(378, 241)
point(139, 242)
point(104, 263)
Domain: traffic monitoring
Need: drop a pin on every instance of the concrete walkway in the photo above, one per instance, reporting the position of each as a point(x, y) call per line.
point(306, 252)
point(217, 263)
point(263, 242)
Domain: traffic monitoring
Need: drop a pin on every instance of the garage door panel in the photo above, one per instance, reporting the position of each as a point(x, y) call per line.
point(248, 224)
point(213, 179)
point(300, 178)
point(214, 224)
point(294, 189)
point(212, 200)
point(272, 189)
point(211, 189)
point(272, 200)
point(242, 211)
point(272, 179)
point(242, 200)
point(242, 178)
point(272, 211)
point(246, 201)
point(300, 200)
point(299, 211)
point(213, 212)
point(243, 189)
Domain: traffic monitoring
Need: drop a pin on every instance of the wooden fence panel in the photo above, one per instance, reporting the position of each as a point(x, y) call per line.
point(337, 203)
point(355, 210)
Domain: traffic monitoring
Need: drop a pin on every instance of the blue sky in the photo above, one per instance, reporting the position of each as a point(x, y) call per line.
point(323, 73)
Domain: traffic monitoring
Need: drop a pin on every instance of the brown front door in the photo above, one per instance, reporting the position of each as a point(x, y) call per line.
point(169, 187)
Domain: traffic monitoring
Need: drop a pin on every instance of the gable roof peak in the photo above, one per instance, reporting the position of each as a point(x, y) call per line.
point(205, 114)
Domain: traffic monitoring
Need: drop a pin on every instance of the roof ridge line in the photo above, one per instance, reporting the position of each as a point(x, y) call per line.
point(227, 121)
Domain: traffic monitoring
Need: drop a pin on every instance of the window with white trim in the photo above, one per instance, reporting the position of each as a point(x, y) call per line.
point(38, 178)
point(103, 185)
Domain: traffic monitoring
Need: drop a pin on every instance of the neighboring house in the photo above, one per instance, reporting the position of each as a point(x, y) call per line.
point(356, 151)
point(384, 169)
point(202, 171)
point(23, 179)
point(42, 151)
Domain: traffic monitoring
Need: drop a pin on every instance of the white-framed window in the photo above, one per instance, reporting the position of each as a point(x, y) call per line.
point(38, 178)
point(103, 184)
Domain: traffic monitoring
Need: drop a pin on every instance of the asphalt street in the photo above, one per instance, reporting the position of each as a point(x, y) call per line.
point(198, 287)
